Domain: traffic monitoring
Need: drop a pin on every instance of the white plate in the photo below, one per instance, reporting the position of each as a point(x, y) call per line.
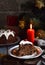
point(27, 56)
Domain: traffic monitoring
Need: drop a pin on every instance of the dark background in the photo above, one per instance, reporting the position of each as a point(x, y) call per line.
point(11, 7)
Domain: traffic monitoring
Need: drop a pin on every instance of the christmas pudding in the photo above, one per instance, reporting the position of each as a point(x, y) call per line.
point(7, 36)
point(24, 49)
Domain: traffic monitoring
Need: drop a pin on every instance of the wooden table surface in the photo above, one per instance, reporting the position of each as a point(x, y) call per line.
point(8, 60)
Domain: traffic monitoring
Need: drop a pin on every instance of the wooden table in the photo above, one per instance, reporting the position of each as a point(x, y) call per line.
point(8, 60)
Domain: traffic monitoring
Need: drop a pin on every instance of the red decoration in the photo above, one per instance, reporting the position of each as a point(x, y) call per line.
point(11, 20)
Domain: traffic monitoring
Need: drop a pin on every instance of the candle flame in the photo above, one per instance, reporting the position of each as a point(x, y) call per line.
point(30, 26)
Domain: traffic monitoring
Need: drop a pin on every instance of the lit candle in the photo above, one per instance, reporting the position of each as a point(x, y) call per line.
point(30, 34)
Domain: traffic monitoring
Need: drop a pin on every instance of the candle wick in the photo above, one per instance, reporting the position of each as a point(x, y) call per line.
point(30, 26)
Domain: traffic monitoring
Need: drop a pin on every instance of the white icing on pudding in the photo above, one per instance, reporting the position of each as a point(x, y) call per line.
point(7, 33)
